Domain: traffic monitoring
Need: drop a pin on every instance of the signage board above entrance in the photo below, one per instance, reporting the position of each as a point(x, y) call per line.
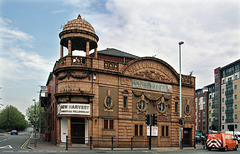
point(74, 108)
point(151, 86)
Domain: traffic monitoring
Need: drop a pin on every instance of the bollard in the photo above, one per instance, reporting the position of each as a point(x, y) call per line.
point(90, 142)
point(131, 143)
point(194, 143)
point(112, 143)
point(66, 142)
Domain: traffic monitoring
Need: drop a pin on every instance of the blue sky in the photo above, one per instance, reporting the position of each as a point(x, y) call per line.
point(29, 41)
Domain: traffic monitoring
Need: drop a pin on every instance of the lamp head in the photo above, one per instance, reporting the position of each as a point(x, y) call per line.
point(181, 42)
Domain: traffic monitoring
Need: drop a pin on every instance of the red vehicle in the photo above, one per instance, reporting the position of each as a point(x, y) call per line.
point(221, 141)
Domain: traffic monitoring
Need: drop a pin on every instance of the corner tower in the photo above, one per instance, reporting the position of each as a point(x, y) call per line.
point(78, 34)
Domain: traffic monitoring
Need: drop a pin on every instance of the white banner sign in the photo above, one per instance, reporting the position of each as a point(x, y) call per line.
point(74, 108)
point(151, 86)
point(154, 131)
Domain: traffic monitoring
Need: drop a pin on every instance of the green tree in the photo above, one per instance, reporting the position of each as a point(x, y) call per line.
point(11, 118)
point(30, 112)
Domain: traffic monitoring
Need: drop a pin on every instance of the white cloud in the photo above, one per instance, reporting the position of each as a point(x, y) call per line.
point(16, 62)
point(22, 69)
point(10, 35)
point(210, 30)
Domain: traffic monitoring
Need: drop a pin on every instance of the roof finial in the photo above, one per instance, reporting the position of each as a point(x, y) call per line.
point(79, 16)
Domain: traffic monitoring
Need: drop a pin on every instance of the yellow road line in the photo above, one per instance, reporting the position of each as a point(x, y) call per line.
point(27, 141)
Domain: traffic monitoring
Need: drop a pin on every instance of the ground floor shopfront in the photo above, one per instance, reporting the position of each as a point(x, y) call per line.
point(79, 130)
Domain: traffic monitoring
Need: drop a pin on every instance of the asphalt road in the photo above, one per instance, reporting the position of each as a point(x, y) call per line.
point(14, 143)
point(17, 144)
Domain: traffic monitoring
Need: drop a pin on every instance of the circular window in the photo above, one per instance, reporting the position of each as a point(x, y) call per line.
point(142, 105)
point(108, 101)
point(161, 107)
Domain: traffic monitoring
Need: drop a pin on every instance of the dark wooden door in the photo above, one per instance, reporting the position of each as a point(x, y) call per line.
point(187, 133)
point(78, 130)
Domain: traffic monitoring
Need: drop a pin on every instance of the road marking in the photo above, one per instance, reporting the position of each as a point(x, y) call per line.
point(23, 151)
point(27, 141)
point(4, 139)
point(6, 147)
point(7, 151)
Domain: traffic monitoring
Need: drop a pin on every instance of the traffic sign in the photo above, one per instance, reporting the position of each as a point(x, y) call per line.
point(180, 122)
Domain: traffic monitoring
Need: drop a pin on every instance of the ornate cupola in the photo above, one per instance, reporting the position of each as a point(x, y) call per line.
point(78, 34)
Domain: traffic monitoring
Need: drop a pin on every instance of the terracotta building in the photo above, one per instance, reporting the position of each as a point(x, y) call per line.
point(108, 94)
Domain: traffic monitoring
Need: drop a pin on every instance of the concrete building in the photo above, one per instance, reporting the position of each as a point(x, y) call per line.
point(108, 93)
point(223, 99)
point(202, 110)
point(229, 92)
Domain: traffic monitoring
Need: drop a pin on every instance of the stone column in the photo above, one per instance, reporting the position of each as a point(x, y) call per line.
point(87, 48)
point(58, 133)
point(95, 52)
point(61, 51)
point(69, 131)
point(69, 47)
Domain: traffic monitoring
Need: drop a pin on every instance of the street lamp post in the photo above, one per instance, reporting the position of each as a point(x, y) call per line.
point(180, 89)
point(35, 116)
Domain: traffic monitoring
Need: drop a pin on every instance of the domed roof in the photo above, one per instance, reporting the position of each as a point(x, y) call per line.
point(79, 31)
point(80, 24)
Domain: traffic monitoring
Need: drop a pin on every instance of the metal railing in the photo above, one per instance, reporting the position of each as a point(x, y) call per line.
point(112, 143)
point(107, 142)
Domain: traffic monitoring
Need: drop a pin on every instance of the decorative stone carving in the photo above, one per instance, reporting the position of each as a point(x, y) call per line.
point(110, 65)
point(74, 75)
point(125, 81)
point(152, 70)
point(186, 79)
point(153, 99)
point(153, 75)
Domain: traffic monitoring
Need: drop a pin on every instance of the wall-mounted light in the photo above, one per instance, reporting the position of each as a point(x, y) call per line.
point(94, 76)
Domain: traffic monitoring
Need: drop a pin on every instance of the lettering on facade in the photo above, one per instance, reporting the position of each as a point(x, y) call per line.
point(139, 66)
point(74, 108)
point(151, 70)
point(151, 86)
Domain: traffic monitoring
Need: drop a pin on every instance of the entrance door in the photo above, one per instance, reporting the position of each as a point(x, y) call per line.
point(187, 136)
point(64, 129)
point(78, 130)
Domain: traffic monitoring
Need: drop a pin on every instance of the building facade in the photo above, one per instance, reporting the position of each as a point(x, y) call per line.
point(108, 94)
point(202, 111)
point(223, 99)
point(229, 92)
